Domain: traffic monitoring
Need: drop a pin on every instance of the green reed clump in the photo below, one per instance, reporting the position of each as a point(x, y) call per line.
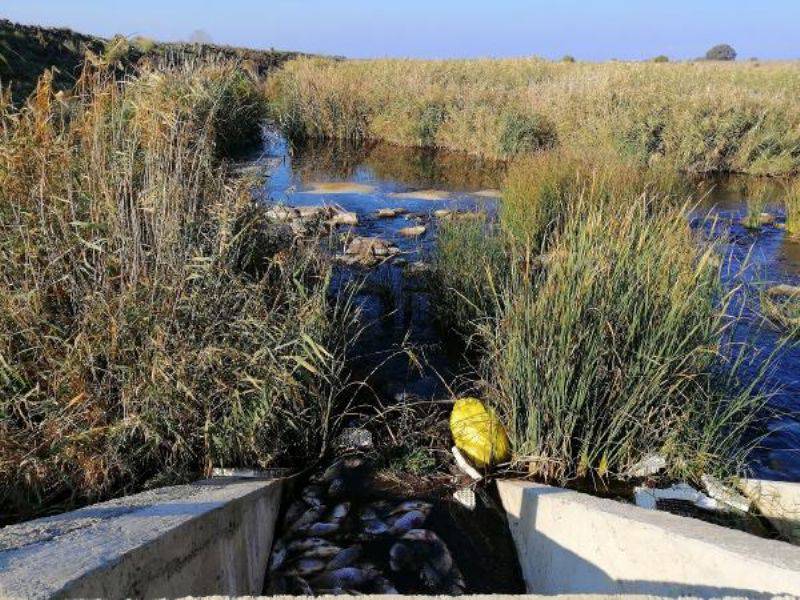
point(791, 200)
point(758, 194)
point(609, 345)
point(151, 325)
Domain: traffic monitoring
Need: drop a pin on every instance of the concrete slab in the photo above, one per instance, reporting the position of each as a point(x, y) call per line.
point(209, 537)
point(778, 501)
point(572, 543)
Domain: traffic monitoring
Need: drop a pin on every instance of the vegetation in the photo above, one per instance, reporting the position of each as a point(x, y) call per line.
point(721, 52)
point(698, 117)
point(151, 324)
point(601, 327)
point(792, 204)
point(27, 51)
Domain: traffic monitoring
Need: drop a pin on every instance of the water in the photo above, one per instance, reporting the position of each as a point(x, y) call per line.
point(397, 305)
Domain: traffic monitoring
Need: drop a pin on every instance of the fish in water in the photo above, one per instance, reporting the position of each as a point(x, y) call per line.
point(384, 586)
point(328, 551)
point(409, 505)
point(401, 557)
point(294, 511)
point(374, 527)
point(346, 577)
point(406, 522)
point(307, 566)
point(337, 488)
point(278, 555)
point(339, 512)
point(312, 495)
point(324, 528)
point(307, 543)
point(308, 518)
point(345, 558)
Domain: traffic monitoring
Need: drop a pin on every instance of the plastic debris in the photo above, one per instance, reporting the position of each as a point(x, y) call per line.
point(466, 498)
point(649, 465)
point(646, 497)
point(478, 433)
point(464, 465)
point(725, 494)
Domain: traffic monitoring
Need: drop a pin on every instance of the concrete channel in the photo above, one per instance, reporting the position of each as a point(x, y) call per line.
point(213, 538)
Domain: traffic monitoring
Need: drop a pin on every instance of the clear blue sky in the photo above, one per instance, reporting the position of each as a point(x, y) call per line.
point(587, 29)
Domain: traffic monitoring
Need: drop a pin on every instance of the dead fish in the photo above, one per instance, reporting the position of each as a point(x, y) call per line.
point(308, 518)
point(345, 578)
point(297, 508)
point(384, 586)
point(345, 558)
point(339, 512)
point(324, 528)
point(307, 543)
point(438, 555)
point(278, 555)
point(457, 584)
point(322, 552)
point(375, 510)
point(430, 577)
point(374, 527)
point(406, 522)
point(337, 488)
point(301, 586)
point(400, 557)
point(333, 471)
point(410, 505)
point(312, 495)
point(307, 566)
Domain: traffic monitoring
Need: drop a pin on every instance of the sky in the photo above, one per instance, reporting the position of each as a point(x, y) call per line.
point(586, 29)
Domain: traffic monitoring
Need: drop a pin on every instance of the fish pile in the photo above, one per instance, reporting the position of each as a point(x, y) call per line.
point(331, 545)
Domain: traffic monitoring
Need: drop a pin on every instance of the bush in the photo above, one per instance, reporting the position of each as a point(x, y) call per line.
point(661, 58)
point(568, 58)
point(526, 133)
point(149, 330)
point(721, 52)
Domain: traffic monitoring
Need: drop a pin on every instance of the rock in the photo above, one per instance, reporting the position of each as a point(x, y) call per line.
point(442, 213)
point(417, 268)
point(282, 214)
point(423, 195)
point(369, 251)
point(343, 217)
point(649, 465)
point(779, 502)
point(390, 213)
point(766, 218)
point(415, 231)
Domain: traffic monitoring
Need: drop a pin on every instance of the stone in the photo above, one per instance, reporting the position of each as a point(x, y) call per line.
point(442, 213)
point(343, 217)
point(390, 213)
point(725, 494)
point(282, 214)
point(369, 250)
point(784, 290)
point(649, 465)
point(779, 502)
point(414, 231)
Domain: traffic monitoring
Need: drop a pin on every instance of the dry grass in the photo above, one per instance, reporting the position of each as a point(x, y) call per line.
point(699, 117)
point(151, 325)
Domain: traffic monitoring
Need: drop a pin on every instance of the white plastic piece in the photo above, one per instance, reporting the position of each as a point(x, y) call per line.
point(725, 494)
point(649, 465)
point(465, 466)
point(648, 497)
point(466, 498)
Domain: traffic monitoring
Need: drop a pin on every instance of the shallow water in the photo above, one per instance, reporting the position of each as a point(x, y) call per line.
point(396, 305)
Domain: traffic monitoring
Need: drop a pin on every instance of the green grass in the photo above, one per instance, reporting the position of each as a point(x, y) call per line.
point(700, 117)
point(791, 199)
point(604, 337)
point(151, 324)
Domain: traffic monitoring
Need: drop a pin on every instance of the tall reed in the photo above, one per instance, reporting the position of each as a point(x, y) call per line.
point(612, 343)
point(151, 325)
point(791, 199)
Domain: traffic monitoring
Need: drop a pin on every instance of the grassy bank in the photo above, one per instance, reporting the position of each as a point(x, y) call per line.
point(26, 51)
point(600, 324)
point(700, 117)
point(151, 324)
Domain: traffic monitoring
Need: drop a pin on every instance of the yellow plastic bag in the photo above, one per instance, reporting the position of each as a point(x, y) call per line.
point(478, 433)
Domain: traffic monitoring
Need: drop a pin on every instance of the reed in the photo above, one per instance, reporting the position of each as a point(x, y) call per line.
point(606, 338)
point(791, 200)
point(151, 325)
point(700, 117)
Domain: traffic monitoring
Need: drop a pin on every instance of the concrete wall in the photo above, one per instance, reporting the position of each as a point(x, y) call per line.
point(210, 537)
point(574, 543)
